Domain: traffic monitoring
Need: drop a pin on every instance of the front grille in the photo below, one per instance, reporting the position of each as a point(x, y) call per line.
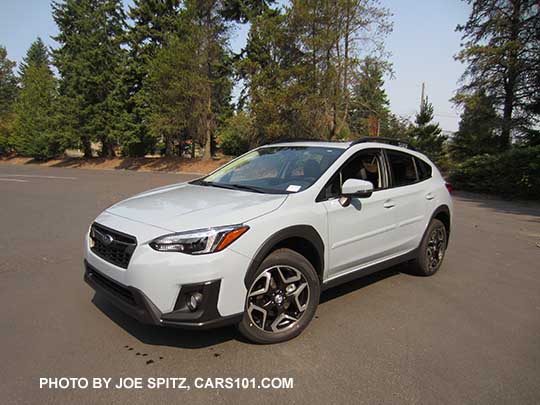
point(113, 246)
point(106, 283)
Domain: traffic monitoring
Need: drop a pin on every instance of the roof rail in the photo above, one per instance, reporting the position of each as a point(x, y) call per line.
point(391, 141)
point(289, 140)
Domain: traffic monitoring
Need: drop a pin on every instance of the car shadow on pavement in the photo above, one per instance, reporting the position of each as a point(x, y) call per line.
point(359, 283)
point(165, 336)
point(187, 339)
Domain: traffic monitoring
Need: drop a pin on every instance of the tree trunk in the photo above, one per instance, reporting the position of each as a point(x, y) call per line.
point(507, 119)
point(510, 82)
point(169, 145)
point(208, 129)
point(87, 147)
point(207, 154)
point(345, 91)
point(107, 149)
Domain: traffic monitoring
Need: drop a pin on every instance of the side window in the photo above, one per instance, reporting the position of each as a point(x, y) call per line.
point(424, 170)
point(365, 165)
point(403, 168)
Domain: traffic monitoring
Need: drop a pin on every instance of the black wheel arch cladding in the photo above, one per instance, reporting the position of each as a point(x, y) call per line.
point(296, 232)
point(443, 214)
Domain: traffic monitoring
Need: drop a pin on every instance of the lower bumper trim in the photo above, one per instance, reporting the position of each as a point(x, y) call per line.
point(135, 303)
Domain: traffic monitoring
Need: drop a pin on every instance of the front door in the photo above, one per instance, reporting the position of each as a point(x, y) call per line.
point(362, 233)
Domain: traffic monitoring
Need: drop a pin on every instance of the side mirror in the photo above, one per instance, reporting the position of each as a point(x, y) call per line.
point(357, 188)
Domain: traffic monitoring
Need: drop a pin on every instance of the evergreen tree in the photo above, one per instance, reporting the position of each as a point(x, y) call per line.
point(189, 83)
point(369, 102)
point(37, 55)
point(8, 83)
point(333, 37)
point(153, 22)
point(502, 49)
point(90, 61)
point(395, 126)
point(235, 134)
point(173, 85)
point(273, 98)
point(244, 11)
point(478, 128)
point(426, 136)
point(8, 95)
point(299, 65)
point(34, 130)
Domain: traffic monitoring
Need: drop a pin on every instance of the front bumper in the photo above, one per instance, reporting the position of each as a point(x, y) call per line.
point(161, 276)
point(136, 304)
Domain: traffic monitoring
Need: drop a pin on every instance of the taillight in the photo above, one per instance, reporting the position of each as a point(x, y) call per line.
point(448, 187)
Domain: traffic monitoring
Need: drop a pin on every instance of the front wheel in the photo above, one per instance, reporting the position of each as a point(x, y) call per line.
point(432, 249)
point(282, 298)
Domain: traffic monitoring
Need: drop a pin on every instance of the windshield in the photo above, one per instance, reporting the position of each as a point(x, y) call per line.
point(282, 169)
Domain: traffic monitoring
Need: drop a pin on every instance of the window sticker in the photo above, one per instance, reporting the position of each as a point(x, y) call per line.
point(292, 188)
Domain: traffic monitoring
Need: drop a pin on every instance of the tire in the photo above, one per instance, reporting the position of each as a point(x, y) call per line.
point(282, 298)
point(432, 249)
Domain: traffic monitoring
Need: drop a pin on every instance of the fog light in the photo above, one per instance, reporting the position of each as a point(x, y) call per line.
point(193, 301)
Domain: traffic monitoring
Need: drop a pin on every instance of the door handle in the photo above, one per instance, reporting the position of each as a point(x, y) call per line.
point(389, 204)
point(429, 196)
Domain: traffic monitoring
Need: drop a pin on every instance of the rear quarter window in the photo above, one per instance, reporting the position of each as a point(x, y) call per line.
point(403, 168)
point(424, 169)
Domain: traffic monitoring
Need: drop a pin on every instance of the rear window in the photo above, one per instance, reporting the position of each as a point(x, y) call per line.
point(424, 169)
point(403, 168)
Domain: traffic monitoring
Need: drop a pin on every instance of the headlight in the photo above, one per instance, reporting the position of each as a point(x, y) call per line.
point(200, 241)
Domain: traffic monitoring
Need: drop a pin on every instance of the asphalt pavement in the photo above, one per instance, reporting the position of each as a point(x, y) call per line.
point(469, 334)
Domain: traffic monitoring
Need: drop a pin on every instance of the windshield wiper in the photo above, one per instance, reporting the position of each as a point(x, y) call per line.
point(231, 186)
point(245, 187)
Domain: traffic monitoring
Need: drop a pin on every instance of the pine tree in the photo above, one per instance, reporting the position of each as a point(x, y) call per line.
point(37, 55)
point(8, 95)
point(189, 81)
point(173, 85)
point(502, 49)
point(299, 65)
point(90, 61)
point(426, 136)
point(153, 22)
point(395, 126)
point(333, 37)
point(244, 11)
point(212, 30)
point(369, 102)
point(276, 102)
point(34, 130)
point(8, 82)
point(478, 128)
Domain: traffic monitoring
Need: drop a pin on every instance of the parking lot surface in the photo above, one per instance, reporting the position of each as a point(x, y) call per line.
point(469, 334)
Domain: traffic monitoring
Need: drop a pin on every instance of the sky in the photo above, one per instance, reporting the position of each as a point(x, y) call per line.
point(421, 45)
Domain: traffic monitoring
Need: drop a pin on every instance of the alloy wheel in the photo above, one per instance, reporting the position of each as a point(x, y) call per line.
point(278, 298)
point(436, 247)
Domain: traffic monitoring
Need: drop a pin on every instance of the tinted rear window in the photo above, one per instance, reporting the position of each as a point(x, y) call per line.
point(403, 168)
point(424, 169)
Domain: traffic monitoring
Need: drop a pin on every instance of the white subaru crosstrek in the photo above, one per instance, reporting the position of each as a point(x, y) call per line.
point(256, 241)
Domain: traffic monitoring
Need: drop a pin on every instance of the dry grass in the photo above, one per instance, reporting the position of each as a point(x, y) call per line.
point(145, 164)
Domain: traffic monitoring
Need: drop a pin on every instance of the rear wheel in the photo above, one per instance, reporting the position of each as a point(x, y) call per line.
point(432, 249)
point(282, 298)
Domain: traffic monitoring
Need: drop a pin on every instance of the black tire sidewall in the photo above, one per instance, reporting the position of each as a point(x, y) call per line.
point(285, 257)
point(420, 264)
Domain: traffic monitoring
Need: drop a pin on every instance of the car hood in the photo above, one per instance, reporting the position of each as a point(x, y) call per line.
point(184, 207)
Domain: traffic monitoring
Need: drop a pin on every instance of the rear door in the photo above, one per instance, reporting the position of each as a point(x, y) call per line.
point(361, 233)
point(410, 196)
